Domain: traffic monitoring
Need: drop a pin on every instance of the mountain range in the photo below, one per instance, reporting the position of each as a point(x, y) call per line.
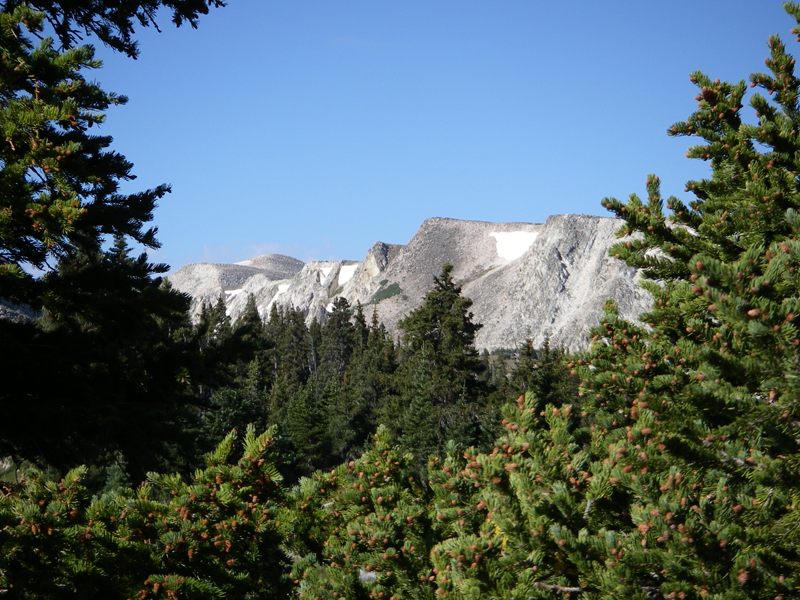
point(527, 280)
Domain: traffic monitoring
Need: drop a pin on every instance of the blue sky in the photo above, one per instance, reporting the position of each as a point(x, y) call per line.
point(314, 129)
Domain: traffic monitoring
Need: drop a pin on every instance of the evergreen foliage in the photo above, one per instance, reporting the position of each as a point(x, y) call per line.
point(439, 343)
point(713, 378)
point(677, 475)
point(112, 23)
point(323, 386)
point(361, 530)
point(662, 463)
point(113, 374)
point(213, 537)
point(543, 373)
point(439, 373)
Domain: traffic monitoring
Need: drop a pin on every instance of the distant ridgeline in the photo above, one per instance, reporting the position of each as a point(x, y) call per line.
point(526, 280)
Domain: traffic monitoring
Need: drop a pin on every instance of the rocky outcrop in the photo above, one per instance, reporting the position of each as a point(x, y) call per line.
point(16, 312)
point(206, 282)
point(525, 279)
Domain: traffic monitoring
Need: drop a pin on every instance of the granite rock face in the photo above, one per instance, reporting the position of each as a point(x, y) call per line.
point(206, 282)
point(525, 279)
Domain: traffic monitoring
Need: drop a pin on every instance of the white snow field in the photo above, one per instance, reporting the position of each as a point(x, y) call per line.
point(231, 294)
point(282, 289)
point(346, 273)
point(513, 244)
point(326, 271)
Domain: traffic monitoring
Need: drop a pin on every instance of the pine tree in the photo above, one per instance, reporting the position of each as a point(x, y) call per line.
point(440, 370)
point(366, 390)
point(249, 325)
point(714, 375)
point(338, 339)
point(113, 23)
point(216, 536)
point(678, 477)
point(291, 353)
point(543, 373)
point(101, 362)
point(362, 530)
point(360, 326)
point(216, 350)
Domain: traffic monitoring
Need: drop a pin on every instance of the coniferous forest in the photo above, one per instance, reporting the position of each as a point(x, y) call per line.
point(146, 456)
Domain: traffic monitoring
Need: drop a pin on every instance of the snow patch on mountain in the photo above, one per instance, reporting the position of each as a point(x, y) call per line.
point(346, 273)
point(282, 289)
point(513, 244)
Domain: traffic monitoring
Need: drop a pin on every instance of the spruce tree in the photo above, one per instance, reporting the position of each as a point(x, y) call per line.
point(100, 363)
point(366, 391)
point(544, 373)
point(439, 373)
point(338, 339)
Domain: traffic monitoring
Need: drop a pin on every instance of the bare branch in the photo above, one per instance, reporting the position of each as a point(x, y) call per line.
point(558, 588)
point(737, 461)
point(589, 504)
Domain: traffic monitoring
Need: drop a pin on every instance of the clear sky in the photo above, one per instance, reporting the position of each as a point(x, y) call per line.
point(315, 128)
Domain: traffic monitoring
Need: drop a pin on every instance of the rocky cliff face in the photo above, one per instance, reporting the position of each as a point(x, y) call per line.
point(526, 280)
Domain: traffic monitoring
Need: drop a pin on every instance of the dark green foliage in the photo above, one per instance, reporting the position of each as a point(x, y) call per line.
point(112, 23)
point(328, 386)
point(439, 373)
point(249, 325)
point(717, 371)
point(508, 539)
point(362, 529)
point(338, 340)
point(296, 349)
point(229, 409)
point(212, 336)
point(683, 461)
point(366, 388)
point(439, 339)
point(213, 537)
point(386, 292)
point(303, 427)
point(100, 371)
point(545, 374)
point(60, 183)
point(322, 385)
point(677, 475)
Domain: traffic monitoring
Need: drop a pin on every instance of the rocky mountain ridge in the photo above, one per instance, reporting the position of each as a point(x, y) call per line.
point(525, 279)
